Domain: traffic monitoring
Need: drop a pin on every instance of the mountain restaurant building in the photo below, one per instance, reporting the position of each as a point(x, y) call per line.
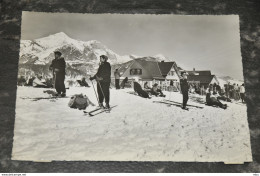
point(202, 78)
point(149, 71)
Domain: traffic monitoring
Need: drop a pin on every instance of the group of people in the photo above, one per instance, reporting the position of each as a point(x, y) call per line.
point(154, 90)
point(35, 81)
point(234, 91)
point(146, 91)
point(230, 91)
point(214, 93)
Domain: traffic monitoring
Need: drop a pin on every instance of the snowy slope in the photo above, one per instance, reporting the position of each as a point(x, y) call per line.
point(136, 130)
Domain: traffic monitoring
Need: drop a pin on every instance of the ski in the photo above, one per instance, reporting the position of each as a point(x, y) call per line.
point(102, 110)
point(86, 112)
point(163, 102)
point(175, 104)
point(170, 104)
point(42, 98)
point(181, 103)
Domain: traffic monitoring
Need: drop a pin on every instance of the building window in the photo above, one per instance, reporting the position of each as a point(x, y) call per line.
point(135, 71)
point(171, 73)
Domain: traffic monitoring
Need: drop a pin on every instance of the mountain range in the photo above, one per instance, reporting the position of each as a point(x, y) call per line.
point(82, 57)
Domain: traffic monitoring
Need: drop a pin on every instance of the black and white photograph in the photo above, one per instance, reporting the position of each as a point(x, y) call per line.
point(130, 87)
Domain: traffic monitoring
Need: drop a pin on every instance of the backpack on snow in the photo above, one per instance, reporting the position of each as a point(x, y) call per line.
point(80, 102)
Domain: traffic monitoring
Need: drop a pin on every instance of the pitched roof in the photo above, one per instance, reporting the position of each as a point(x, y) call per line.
point(204, 79)
point(151, 67)
point(122, 67)
point(200, 72)
point(165, 67)
point(155, 69)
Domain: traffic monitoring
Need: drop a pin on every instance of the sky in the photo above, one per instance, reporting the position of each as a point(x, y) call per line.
point(203, 42)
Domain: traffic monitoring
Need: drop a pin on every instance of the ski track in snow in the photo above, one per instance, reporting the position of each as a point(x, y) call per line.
point(136, 130)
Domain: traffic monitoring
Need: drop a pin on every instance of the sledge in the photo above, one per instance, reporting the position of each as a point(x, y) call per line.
point(181, 104)
point(99, 111)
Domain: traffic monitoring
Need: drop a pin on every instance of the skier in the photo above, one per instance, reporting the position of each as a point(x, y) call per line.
point(184, 89)
point(58, 67)
point(117, 78)
point(103, 81)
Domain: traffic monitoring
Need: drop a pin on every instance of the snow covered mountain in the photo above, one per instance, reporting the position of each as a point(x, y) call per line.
point(82, 57)
point(225, 79)
point(40, 51)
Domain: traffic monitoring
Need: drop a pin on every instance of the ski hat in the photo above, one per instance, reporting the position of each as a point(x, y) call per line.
point(104, 57)
point(57, 52)
point(183, 73)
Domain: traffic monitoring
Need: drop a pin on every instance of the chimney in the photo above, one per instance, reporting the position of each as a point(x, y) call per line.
point(194, 69)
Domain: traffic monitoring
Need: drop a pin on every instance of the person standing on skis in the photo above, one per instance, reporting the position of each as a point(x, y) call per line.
point(58, 66)
point(103, 78)
point(184, 89)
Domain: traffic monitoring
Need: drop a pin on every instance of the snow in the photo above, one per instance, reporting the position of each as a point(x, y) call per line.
point(136, 130)
point(59, 39)
point(161, 57)
point(126, 58)
point(43, 47)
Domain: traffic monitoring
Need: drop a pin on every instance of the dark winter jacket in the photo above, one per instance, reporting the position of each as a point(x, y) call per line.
point(58, 64)
point(138, 89)
point(104, 72)
point(184, 85)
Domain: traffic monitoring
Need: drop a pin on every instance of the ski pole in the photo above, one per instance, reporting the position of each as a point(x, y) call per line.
point(101, 88)
point(54, 79)
point(95, 92)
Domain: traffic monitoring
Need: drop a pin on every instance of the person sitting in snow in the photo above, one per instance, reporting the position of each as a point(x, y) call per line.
point(29, 81)
point(212, 98)
point(156, 91)
point(146, 86)
point(39, 82)
point(138, 89)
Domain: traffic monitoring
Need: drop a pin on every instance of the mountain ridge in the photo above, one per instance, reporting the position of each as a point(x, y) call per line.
point(79, 55)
